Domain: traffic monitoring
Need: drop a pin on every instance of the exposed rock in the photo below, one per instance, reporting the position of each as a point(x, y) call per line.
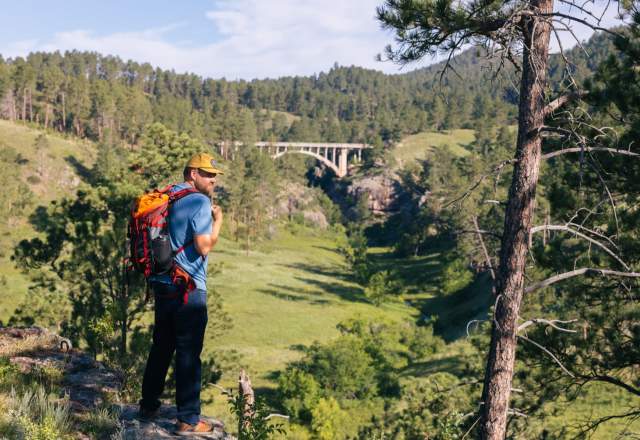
point(161, 426)
point(381, 190)
point(87, 383)
point(297, 199)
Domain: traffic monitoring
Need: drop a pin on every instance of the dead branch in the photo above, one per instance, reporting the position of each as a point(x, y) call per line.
point(579, 20)
point(474, 321)
point(555, 359)
point(613, 202)
point(495, 170)
point(594, 425)
point(588, 149)
point(247, 398)
point(273, 415)
point(481, 231)
point(487, 258)
point(515, 412)
point(582, 271)
point(550, 322)
point(583, 236)
point(470, 428)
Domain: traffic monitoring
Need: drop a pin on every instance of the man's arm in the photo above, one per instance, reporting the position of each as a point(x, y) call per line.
point(204, 243)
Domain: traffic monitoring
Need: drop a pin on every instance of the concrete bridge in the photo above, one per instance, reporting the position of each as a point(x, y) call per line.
point(335, 156)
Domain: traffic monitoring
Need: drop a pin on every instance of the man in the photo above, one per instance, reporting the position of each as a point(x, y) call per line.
point(180, 320)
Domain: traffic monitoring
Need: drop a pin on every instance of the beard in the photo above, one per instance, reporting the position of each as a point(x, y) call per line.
point(204, 187)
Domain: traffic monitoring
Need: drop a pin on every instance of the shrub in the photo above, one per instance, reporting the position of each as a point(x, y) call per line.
point(456, 276)
point(343, 368)
point(382, 288)
point(328, 419)
point(299, 393)
point(103, 423)
point(35, 415)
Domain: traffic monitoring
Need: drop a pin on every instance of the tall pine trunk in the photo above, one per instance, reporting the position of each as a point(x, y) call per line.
point(518, 222)
point(24, 104)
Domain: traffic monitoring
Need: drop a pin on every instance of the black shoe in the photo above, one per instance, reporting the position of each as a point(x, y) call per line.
point(147, 414)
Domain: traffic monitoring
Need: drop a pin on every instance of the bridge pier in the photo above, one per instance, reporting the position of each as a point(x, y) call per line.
point(333, 155)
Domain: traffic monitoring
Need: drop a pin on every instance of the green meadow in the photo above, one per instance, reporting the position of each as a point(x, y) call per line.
point(293, 290)
point(50, 175)
point(416, 147)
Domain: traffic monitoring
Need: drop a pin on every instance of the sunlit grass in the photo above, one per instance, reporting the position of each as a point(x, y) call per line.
point(417, 146)
point(50, 175)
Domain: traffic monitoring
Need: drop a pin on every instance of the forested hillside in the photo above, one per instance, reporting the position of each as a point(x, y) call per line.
point(355, 325)
point(87, 93)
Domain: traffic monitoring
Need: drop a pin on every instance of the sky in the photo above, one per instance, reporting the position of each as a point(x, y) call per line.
point(235, 39)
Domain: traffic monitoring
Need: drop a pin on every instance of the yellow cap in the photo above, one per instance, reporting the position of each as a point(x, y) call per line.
point(205, 162)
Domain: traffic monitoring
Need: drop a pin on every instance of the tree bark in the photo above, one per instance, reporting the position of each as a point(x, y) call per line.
point(64, 113)
point(46, 115)
point(30, 106)
point(24, 104)
point(518, 220)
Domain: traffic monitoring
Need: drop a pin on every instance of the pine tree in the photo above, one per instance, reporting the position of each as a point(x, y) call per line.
point(427, 27)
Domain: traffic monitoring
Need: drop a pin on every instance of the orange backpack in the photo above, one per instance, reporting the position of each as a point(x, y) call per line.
point(150, 246)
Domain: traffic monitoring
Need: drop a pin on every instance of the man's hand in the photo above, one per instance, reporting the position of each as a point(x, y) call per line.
point(216, 211)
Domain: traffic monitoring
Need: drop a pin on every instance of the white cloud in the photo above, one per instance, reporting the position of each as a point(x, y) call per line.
point(257, 39)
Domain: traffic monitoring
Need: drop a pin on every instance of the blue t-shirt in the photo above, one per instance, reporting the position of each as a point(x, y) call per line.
point(189, 216)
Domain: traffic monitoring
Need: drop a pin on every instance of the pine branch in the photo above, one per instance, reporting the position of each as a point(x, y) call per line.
point(582, 271)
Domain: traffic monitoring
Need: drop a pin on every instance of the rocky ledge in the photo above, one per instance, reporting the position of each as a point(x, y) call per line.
point(87, 383)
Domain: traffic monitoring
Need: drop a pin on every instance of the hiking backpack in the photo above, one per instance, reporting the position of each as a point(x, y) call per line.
point(150, 245)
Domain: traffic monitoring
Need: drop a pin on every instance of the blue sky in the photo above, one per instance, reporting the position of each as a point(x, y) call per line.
point(214, 38)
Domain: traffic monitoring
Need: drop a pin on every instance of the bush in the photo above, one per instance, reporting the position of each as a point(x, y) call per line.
point(103, 423)
point(456, 276)
point(36, 416)
point(382, 288)
point(343, 368)
point(328, 420)
point(299, 393)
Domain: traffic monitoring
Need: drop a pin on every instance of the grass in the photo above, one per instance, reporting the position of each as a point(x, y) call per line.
point(290, 117)
point(293, 290)
point(417, 146)
point(61, 165)
point(289, 293)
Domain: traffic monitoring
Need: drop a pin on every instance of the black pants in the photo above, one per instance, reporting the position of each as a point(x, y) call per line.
point(178, 328)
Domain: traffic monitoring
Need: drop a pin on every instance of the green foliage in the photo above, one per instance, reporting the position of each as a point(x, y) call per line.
point(363, 364)
point(253, 420)
point(16, 195)
point(431, 410)
point(328, 419)
point(382, 287)
point(343, 368)
point(456, 276)
point(35, 415)
point(163, 154)
point(355, 253)
point(103, 423)
point(299, 393)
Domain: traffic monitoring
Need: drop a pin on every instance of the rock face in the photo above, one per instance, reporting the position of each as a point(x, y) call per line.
point(297, 199)
point(88, 383)
point(381, 190)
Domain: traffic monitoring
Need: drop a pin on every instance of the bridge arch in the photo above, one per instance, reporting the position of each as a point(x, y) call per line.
point(333, 155)
point(320, 158)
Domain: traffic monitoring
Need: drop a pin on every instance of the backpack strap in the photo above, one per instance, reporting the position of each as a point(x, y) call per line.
point(177, 195)
point(174, 197)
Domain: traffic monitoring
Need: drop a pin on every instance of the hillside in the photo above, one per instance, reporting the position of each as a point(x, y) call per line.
point(48, 173)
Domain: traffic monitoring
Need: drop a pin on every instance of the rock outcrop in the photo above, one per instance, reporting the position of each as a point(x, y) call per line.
point(87, 383)
point(381, 190)
point(296, 199)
